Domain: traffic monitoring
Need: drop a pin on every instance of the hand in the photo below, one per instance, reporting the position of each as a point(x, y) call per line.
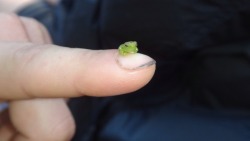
point(35, 75)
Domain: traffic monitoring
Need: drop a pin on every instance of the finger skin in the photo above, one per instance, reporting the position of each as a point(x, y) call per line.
point(35, 31)
point(22, 29)
point(12, 29)
point(42, 120)
point(34, 119)
point(30, 70)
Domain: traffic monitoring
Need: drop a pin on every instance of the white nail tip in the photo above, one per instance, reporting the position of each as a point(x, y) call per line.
point(135, 61)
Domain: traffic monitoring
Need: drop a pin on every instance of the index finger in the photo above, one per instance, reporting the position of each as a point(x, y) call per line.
point(30, 71)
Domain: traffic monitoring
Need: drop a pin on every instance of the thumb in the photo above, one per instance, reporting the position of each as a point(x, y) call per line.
point(31, 71)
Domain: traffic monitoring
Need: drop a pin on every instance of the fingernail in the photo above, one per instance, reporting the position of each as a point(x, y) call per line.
point(135, 61)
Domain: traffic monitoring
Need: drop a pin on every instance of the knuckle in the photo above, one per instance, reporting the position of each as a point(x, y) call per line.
point(11, 28)
point(30, 21)
point(35, 30)
point(11, 20)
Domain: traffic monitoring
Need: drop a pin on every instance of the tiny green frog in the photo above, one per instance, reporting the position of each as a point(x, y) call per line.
point(128, 48)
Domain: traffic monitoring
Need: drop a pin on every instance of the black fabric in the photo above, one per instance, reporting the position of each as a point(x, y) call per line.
point(200, 91)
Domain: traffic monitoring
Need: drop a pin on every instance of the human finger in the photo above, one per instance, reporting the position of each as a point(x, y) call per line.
point(30, 71)
point(48, 120)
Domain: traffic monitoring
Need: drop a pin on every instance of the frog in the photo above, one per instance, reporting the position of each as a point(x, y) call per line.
point(128, 48)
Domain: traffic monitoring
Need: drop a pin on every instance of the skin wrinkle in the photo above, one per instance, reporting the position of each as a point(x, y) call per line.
point(18, 53)
point(21, 54)
point(76, 78)
point(30, 32)
point(60, 126)
point(15, 23)
point(79, 54)
point(56, 129)
point(23, 26)
point(11, 58)
point(81, 89)
point(43, 31)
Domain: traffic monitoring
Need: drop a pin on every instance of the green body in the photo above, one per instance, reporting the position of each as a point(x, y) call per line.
point(128, 48)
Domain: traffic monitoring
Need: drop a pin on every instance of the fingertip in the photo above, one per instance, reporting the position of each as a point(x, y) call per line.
point(108, 75)
point(135, 61)
point(139, 70)
point(45, 71)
